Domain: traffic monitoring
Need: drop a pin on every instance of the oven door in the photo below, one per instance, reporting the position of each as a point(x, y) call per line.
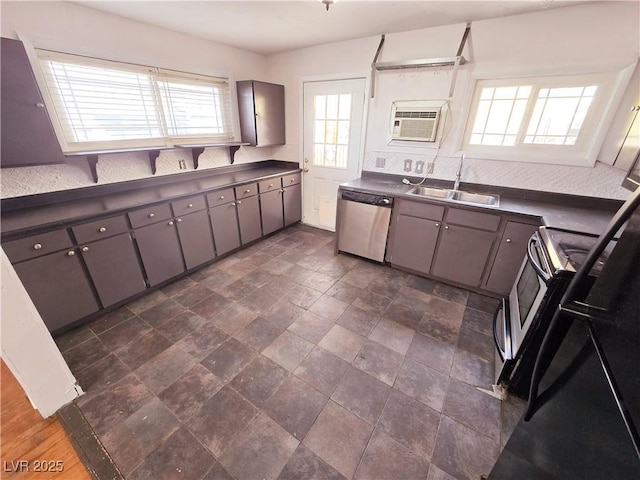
point(528, 292)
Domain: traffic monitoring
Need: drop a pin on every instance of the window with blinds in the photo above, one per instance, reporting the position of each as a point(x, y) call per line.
point(100, 104)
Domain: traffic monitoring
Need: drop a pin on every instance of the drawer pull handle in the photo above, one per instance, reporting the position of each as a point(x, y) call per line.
point(190, 205)
point(446, 227)
point(85, 249)
point(40, 105)
point(178, 220)
point(248, 190)
point(508, 240)
point(70, 253)
point(292, 180)
point(102, 229)
point(37, 246)
point(221, 197)
point(271, 185)
point(239, 202)
point(437, 224)
point(233, 204)
point(151, 215)
point(170, 223)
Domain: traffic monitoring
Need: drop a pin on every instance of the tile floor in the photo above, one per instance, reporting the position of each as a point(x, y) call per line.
point(287, 361)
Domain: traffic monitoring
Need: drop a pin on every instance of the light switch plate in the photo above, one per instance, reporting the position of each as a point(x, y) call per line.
point(419, 166)
point(407, 165)
point(380, 162)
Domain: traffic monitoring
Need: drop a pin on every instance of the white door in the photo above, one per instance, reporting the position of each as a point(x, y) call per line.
point(332, 144)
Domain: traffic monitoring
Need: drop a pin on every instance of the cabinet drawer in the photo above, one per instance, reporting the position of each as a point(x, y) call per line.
point(150, 215)
point(188, 205)
point(291, 179)
point(468, 218)
point(99, 229)
point(220, 197)
point(420, 210)
point(37, 245)
point(245, 191)
point(269, 185)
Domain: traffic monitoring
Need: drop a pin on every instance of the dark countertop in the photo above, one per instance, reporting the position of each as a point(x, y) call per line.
point(567, 212)
point(80, 207)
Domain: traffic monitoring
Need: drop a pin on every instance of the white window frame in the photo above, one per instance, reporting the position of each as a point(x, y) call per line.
point(158, 75)
point(610, 89)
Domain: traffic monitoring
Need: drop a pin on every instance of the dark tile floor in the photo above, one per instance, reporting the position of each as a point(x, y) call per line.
point(287, 361)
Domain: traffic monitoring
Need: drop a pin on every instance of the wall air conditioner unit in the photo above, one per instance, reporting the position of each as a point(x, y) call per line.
point(419, 124)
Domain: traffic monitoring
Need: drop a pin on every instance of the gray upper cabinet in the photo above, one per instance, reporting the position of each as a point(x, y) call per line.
point(509, 257)
point(27, 134)
point(261, 109)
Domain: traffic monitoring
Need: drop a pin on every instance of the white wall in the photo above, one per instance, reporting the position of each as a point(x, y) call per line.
point(28, 349)
point(73, 28)
point(584, 38)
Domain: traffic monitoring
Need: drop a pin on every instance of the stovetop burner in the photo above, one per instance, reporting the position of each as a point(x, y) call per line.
point(568, 250)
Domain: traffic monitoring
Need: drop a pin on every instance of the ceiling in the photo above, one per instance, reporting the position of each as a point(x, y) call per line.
point(270, 27)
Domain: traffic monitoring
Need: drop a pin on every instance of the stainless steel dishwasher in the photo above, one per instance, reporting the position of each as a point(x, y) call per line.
point(364, 224)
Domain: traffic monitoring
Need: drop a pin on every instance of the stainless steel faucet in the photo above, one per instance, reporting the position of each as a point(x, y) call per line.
point(456, 184)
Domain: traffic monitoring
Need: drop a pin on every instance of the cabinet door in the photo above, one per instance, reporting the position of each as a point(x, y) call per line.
point(292, 199)
point(196, 238)
point(160, 251)
point(511, 253)
point(413, 243)
point(224, 220)
point(271, 211)
point(261, 109)
point(249, 219)
point(28, 137)
point(462, 254)
point(114, 268)
point(59, 288)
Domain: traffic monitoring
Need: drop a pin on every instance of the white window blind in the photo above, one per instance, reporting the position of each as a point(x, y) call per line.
point(100, 104)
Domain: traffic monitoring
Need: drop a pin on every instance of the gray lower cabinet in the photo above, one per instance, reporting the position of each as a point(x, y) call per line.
point(414, 243)
point(224, 221)
point(462, 254)
point(196, 238)
point(114, 268)
point(271, 211)
point(160, 251)
point(509, 256)
point(292, 201)
point(59, 287)
point(249, 219)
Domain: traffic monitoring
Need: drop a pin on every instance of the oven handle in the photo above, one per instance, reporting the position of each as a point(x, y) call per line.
point(541, 273)
point(507, 331)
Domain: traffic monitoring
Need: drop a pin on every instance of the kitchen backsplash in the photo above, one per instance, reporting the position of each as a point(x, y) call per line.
point(600, 181)
point(16, 182)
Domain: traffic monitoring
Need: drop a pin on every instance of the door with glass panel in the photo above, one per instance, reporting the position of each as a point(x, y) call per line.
point(332, 145)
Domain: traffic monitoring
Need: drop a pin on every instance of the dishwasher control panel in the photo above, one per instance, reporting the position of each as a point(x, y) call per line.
point(368, 198)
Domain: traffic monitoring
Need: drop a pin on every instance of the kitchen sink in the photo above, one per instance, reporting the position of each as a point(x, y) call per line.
point(467, 197)
point(457, 196)
point(432, 192)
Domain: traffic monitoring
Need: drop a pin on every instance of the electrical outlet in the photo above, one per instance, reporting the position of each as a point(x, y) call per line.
point(407, 165)
point(419, 166)
point(380, 162)
point(182, 164)
point(429, 168)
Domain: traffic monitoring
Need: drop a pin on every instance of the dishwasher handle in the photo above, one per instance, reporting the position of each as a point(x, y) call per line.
point(367, 198)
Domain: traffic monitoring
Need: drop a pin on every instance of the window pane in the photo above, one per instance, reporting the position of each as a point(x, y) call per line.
point(345, 107)
point(486, 93)
point(524, 92)
point(558, 119)
point(343, 132)
point(332, 106)
point(341, 161)
point(509, 140)
point(476, 139)
point(503, 93)
point(492, 139)
point(481, 116)
point(330, 155)
point(318, 154)
point(516, 116)
point(331, 132)
point(320, 107)
point(498, 116)
point(318, 132)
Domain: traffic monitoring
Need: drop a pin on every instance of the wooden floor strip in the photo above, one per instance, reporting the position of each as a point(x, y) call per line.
point(30, 445)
